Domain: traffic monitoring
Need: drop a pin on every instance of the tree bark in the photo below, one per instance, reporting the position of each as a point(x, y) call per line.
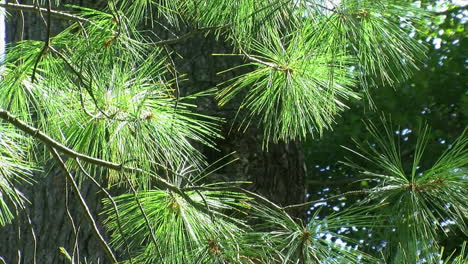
point(53, 228)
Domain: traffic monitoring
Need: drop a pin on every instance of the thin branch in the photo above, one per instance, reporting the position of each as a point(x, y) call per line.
point(175, 40)
point(33, 235)
point(266, 63)
point(21, 23)
point(83, 204)
point(327, 199)
point(114, 204)
point(38, 8)
point(34, 9)
point(326, 8)
point(142, 210)
point(176, 77)
point(233, 189)
point(75, 18)
point(188, 35)
point(241, 190)
point(52, 143)
point(202, 197)
point(72, 221)
point(88, 88)
point(366, 191)
point(18, 237)
point(336, 182)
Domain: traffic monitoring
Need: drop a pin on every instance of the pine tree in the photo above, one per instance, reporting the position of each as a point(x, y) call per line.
point(106, 100)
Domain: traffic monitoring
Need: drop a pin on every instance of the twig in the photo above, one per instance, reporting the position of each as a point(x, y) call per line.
point(54, 13)
point(326, 8)
point(72, 221)
point(452, 10)
point(75, 18)
point(21, 23)
point(328, 199)
point(176, 77)
point(241, 190)
point(203, 199)
point(142, 210)
point(176, 40)
point(269, 64)
point(188, 35)
point(114, 204)
point(33, 234)
point(18, 237)
point(52, 143)
point(47, 41)
point(266, 63)
point(83, 204)
point(89, 90)
point(336, 182)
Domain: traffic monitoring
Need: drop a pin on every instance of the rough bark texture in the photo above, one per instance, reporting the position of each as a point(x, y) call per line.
point(277, 173)
point(51, 223)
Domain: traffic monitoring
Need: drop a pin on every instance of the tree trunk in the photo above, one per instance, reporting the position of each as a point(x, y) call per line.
point(277, 173)
point(51, 223)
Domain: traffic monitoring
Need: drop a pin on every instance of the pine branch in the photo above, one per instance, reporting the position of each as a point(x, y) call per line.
point(114, 205)
point(53, 13)
point(84, 205)
point(53, 144)
point(145, 216)
point(48, 25)
point(188, 35)
point(75, 18)
point(50, 142)
point(241, 190)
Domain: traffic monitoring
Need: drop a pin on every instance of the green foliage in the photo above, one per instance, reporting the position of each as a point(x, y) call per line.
point(14, 169)
point(296, 91)
point(461, 258)
point(420, 204)
point(18, 94)
point(106, 92)
point(303, 76)
point(377, 32)
point(289, 241)
point(180, 233)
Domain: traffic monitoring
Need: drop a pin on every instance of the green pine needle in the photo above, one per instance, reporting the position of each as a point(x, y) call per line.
point(417, 200)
